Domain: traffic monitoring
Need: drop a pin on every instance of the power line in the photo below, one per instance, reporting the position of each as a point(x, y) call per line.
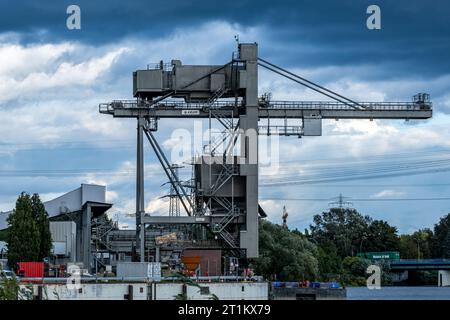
point(338, 185)
point(373, 156)
point(388, 161)
point(64, 142)
point(353, 177)
point(130, 144)
point(360, 199)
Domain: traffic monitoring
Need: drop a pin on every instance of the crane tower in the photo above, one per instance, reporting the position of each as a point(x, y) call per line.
point(225, 184)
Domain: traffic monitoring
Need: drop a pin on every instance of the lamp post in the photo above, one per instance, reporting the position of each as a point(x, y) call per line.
point(363, 237)
point(418, 249)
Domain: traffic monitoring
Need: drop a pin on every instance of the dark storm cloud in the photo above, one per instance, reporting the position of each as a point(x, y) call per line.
point(414, 36)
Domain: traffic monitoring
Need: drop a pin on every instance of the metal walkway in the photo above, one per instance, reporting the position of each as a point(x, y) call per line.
point(273, 109)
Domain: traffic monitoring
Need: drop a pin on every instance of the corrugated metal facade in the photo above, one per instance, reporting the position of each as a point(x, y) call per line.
point(31, 269)
point(64, 232)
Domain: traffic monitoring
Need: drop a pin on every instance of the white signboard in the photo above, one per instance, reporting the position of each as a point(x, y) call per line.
point(190, 112)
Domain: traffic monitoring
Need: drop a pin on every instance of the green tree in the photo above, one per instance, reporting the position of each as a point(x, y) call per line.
point(351, 232)
point(417, 245)
point(287, 255)
point(23, 238)
point(447, 246)
point(3, 235)
point(355, 266)
point(424, 238)
point(329, 261)
point(43, 225)
point(346, 228)
point(440, 246)
point(354, 271)
point(408, 248)
point(381, 237)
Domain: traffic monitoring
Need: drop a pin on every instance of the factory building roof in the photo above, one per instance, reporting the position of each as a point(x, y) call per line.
point(71, 201)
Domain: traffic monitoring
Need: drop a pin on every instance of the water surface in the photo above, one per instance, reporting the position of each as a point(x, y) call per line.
point(399, 293)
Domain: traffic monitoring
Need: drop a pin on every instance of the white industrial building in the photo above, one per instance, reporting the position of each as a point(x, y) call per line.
point(71, 217)
point(82, 233)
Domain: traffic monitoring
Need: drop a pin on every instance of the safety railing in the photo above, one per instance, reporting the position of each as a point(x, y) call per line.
point(166, 66)
point(422, 261)
point(133, 104)
point(330, 105)
point(272, 105)
point(280, 130)
point(93, 278)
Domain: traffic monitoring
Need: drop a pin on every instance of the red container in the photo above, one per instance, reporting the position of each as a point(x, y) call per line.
point(31, 270)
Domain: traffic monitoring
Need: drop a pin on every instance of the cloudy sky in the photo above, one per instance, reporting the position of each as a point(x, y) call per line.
point(52, 79)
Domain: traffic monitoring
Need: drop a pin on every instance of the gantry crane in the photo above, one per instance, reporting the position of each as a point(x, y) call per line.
point(224, 197)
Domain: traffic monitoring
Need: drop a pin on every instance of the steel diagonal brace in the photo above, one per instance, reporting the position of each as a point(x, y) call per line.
point(232, 141)
point(169, 172)
point(309, 84)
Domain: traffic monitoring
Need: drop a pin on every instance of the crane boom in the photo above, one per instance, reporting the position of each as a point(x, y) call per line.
point(272, 109)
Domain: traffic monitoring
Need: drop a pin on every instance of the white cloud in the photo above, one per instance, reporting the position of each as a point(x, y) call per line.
point(53, 90)
point(49, 196)
point(194, 45)
point(24, 61)
point(274, 210)
point(158, 206)
point(388, 194)
point(50, 93)
point(37, 68)
point(111, 196)
point(173, 142)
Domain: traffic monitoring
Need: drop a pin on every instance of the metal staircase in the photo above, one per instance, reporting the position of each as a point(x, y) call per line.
point(99, 240)
point(100, 233)
point(230, 212)
point(216, 95)
point(216, 142)
point(229, 239)
point(224, 118)
point(228, 171)
point(230, 216)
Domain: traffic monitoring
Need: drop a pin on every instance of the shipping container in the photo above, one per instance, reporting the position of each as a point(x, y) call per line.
point(31, 270)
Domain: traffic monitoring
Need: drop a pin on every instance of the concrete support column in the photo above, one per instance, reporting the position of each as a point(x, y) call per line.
point(79, 238)
point(249, 149)
point(140, 236)
point(86, 237)
point(444, 278)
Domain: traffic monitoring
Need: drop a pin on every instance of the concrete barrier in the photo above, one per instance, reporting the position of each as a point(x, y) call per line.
point(151, 291)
